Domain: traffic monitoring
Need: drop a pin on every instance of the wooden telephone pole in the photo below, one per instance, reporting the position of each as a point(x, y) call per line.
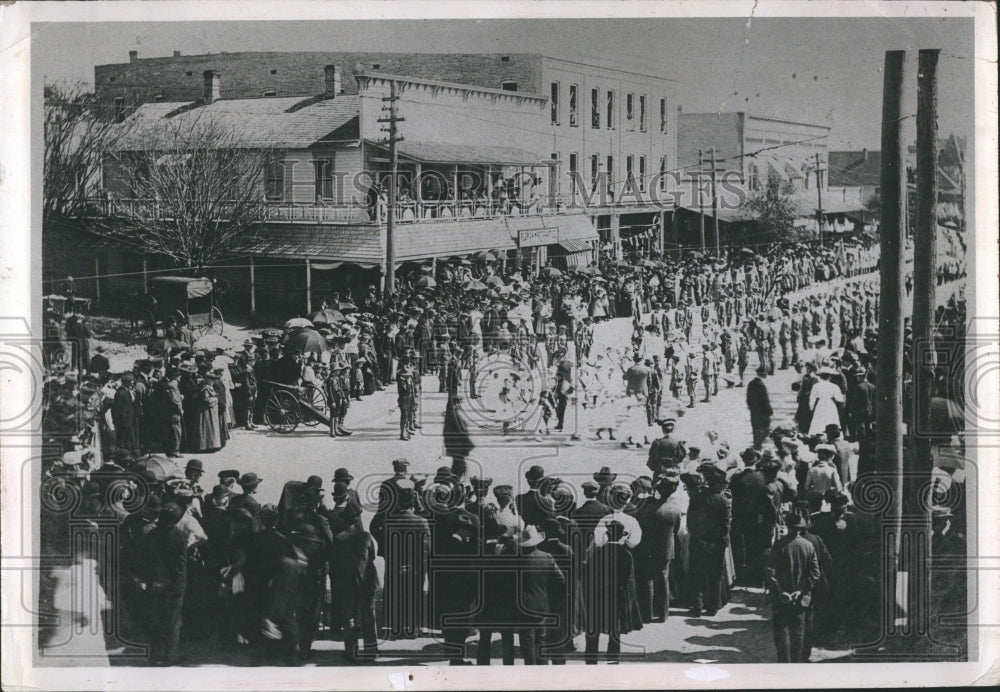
point(819, 198)
point(715, 206)
point(390, 217)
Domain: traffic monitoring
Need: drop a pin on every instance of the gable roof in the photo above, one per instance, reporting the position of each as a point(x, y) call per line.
point(855, 169)
point(278, 123)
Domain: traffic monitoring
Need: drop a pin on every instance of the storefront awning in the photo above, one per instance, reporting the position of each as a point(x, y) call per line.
point(450, 238)
point(360, 245)
point(436, 152)
point(573, 245)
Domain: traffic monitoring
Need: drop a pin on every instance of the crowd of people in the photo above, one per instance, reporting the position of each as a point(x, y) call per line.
point(603, 558)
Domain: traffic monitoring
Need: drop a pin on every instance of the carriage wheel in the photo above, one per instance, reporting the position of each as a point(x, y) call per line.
point(313, 395)
point(281, 413)
point(216, 324)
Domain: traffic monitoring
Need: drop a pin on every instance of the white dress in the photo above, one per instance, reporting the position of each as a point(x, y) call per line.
point(823, 400)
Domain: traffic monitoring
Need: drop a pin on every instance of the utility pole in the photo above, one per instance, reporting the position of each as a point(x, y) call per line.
point(923, 355)
point(715, 207)
point(819, 199)
point(701, 201)
point(390, 217)
point(889, 381)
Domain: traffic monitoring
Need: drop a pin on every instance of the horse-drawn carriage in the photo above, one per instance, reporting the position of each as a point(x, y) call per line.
point(287, 406)
point(176, 300)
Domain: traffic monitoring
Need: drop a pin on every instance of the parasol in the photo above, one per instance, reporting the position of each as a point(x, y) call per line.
point(163, 346)
point(484, 255)
point(426, 282)
point(550, 271)
point(306, 340)
point(157, 468)
point(474, 285)
point(297, 322)
point(494, 281)
point(346, 306)
point(327, 316)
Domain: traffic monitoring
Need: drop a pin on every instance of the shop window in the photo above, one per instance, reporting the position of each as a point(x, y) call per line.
point(595, 109)
point(572, 105)
point(554, 102)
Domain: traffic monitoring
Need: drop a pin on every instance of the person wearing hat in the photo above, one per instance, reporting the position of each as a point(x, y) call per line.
point(660, 521)
point(244, 386)
point(567, 603)
point(336, 396)
point(126, 414)
point(759, 403)
point(666, 451)
point(249, 483)
point(792, 572)
point(745, 486)
point(824, 398)
point(508, 522)
point(610, 592)
point(354, 580)
point(709, 519)
point(345, 495)
point(169, 583)
point(531, 505)
point(590, 512)
point(407, 383)
point(822, 476)
point(404, 540)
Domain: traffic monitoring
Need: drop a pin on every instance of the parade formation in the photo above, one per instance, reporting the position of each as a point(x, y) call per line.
point(470, 551)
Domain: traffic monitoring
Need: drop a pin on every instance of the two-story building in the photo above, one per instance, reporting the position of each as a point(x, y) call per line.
point(748, 150)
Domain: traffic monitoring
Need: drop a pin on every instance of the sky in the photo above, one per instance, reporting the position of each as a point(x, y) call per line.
point(821, 70)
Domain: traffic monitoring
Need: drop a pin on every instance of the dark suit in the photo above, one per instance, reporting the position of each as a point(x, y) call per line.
point(586, 516)
point(861, 408)
point(660, 522)
point(406, 546)
point(759, 404)
point(126, 412)
point(455, 536)
point(352, 573)
point(665, 452)
point(745, 487)
point(793, 565)
point(709, 519)
point(563, 601)
point(170, 570)
point(534, 508)
point(247, 502)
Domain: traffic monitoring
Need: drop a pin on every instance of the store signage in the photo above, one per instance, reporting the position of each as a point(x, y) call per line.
point(533, 237)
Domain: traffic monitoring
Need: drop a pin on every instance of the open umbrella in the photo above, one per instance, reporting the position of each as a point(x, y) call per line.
point(346, 306)
point(474, 285)
point(157, 468)
point(163, 346)
point(494, 280)
point(306, 340)
point(327, 316)
point(426, 282)
point(297, 322)
point(484, 255)
point(589, 270)
point(210, 342)
point(620, 263)
point(550, 271)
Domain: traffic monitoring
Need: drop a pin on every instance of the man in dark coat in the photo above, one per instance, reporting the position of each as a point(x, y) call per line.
point(660, 521)
point(792, 572)
point(587, 516)
point(709, 519)
point(406, 546)
point(247, 501)
point(744, 486)
point(353, 575)
point(843, 454)
point(172, 405)
point(563, 599)
point(170, 582)
point(759, 404)
point(126, 413)
point(665, 452)
point(861, 406)
point(531, 505)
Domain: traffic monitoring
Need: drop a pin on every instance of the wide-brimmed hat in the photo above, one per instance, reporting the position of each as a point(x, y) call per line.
point(605, 477)
point(220, 494)
point(249, 480)
point(530, 537)
point(798, 520)
point(829, 449)
point(503, 490)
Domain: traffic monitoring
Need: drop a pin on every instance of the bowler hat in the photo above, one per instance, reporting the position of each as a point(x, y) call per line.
point(400, 464)
point(171, 514)
point(223, 475)
point(194, 465)
point(551, 528)
point(535, 473)
point(342, 475)
point(315, 482)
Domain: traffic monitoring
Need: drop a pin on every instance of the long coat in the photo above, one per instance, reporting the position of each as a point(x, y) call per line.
point(208, 436)
point(823, 400)
point(758, 401)
point(609, 590)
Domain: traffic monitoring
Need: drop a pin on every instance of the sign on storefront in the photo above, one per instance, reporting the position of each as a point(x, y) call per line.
point(533, 237)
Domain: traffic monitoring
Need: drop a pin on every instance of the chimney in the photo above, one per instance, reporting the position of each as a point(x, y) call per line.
point(133, 55)
point(864, 155)
point(332, 79)
point(211, 86)
point(177, 54)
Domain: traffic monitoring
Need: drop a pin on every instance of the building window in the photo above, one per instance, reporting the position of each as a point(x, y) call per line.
point(595, 109)
point(508, 86)
point(754, 175)
point(611, 110)
point(324, 179)
point(594, 169)
point(111, 79)
point(275, 191)
point(189, 74)
point(611, 176)
point(269, 92)
point(642, 174)
point(554, 101)
point(629, 111)
point(274, 72)
point(119, 108)
point(158, 98)
point(642, 112)
point(663, 115)
point(572, 105)
point(554, 170)
point(629, 174)
point(663, 172)
point(572, 173)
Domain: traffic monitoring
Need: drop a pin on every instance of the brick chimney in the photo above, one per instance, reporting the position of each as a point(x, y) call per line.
point(333, 82)
point(133, 55)
point(211, 86)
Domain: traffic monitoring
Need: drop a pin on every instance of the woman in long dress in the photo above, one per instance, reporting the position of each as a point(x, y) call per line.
point(823, 399)
point(610, 596)
point(209, 437)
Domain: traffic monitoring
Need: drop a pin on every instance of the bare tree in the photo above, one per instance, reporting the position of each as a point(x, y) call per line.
point(195, 186)
point(77, 132)
point(773, 213)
